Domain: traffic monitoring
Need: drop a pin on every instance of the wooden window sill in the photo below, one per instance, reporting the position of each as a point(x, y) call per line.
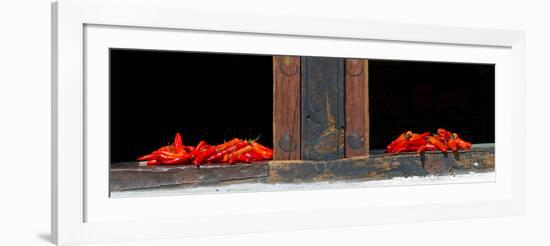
point(133, 175)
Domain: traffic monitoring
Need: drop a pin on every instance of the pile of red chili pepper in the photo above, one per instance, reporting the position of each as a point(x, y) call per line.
point(443, 140)
point(233, 151)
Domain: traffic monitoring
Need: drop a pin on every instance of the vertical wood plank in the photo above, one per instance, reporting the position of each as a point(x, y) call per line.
point(357, 107)
point(322, 108)
point(286, 108)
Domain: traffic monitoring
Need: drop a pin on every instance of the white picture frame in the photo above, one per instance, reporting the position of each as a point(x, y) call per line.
point(82, 211)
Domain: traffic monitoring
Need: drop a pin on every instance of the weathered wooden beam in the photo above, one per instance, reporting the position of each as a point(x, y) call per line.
point(481, 158)
point(357, 107)
point(322, 108)
point(286, 108)
point(132, 175)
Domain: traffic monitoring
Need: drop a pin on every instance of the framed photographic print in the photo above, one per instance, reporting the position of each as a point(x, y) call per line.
point(168, 119)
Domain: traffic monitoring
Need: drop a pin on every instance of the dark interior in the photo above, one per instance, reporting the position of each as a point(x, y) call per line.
point(423, 96)
point(204, 96)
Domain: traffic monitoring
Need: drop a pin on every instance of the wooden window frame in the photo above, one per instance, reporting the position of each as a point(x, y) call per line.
point(320, 108)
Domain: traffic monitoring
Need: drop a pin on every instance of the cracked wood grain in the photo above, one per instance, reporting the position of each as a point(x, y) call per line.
point(322, 107)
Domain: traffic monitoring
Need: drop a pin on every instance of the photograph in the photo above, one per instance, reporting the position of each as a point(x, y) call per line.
point(180, 120)
point(274, 123)
point(183, 122)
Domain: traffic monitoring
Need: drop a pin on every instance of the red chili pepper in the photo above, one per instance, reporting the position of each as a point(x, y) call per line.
point(398, 148)
point(265, 154)
point(444, 133)
point(427, 147)
point(230, 149)
point(201, 157)
point(416, 136)
point(241, 152)
point(223, 149)
point(148, 157)
point(228, 144)
point(421, 149)
point(202, 146)
point(461, 143)
point(417, 142)
point(179, 160)
point(250, 157)
point(225, 158)
point(233, 156)
point(399, 140)
point(166, 148)
point(246, 149)
point(215, 157)
point(430, 147)
point(257, 156)
point(440, 139)
point(152, 162)
point(219, 155)
point(241, 144)
point(178, 143)
point(464, 145)
point(169, 155)
point(410, 145)
point(188, 149)
point(438, 144)
point(258, 145)
point(245, 157)
point(452, 145)
point(233, 159)
point(162, 158)
point(407, 148)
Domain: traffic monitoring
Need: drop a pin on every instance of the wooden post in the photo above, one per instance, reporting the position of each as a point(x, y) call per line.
point(322, 108)
point(357, 107)
point(286, 108)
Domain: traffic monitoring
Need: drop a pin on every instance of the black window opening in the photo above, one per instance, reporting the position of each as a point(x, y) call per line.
point(204, 96)
point(424, 96)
